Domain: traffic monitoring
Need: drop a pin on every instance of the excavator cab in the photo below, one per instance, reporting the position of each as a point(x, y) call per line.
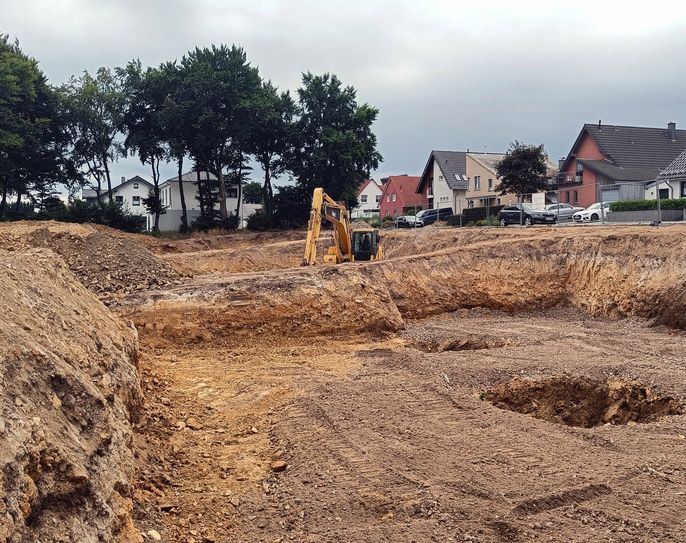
point(365, 244)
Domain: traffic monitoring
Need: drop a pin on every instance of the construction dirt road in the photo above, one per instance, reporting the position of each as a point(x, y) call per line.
point(491, 385)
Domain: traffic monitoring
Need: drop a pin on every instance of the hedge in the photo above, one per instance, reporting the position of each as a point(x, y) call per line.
point(643, 205)
point(474, 214)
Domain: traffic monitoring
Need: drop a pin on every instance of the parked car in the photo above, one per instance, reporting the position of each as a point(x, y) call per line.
point(430, 216)
point(525, 214)
point(564, 212)
point(408, 221)
point(592, 213)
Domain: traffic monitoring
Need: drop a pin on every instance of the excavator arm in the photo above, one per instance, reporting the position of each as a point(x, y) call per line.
point(324, 207)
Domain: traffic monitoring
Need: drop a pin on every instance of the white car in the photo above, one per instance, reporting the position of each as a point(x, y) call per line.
point(563, 211)
point(593, 212)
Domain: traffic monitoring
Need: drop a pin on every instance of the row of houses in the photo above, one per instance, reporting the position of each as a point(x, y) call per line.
point(130, 193)
point(605, 163)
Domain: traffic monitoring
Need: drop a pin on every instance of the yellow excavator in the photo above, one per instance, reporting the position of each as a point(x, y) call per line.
point(349, 245)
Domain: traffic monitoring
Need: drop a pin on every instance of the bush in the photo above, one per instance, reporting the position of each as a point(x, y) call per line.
point(111, 214)
point(474, 214)
point(489, 221)
point(261, 222)
point(643, 205)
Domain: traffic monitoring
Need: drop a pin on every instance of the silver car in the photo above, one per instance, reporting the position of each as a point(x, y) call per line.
point(565, 212)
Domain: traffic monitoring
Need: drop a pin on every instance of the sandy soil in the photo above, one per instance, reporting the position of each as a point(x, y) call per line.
point(477, 385)
point(387, 442)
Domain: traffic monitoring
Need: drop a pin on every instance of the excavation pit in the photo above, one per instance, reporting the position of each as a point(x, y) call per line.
point(584, 402)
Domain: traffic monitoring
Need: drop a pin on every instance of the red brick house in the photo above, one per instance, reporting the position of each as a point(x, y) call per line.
point(399, 196)
point(616, 162)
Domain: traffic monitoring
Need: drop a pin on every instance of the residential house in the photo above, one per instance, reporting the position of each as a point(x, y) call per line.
point(368, 197)
point(170, 194)
point(129, 193)
point(460, 179)
point(399, 196)
point(671, 181)
point(609, 162)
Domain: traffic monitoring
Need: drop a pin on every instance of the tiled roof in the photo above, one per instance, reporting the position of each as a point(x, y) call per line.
point(637, 146)
point(608, 169)
point(404, 186)
point(453, 166)
point(676, 169)
point(488, 160)
point(364, 184)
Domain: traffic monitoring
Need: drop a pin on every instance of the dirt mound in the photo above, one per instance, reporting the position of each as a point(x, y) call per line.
point(68, 389)
point(580, 401)
point(334, 300)
point(106, 264)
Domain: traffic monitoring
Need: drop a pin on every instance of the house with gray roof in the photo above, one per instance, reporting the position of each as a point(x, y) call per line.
point(612, 162)
point(461, 179)
point(672, 180)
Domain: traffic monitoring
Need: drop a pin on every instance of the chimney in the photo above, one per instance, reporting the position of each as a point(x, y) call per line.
point(671, 130)
point(600, 124)
point(123, 179)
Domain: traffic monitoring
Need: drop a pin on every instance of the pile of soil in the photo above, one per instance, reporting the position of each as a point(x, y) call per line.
point(106, 264)
point(68, 393)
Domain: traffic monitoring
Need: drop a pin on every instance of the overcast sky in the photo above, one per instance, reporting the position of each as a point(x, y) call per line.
point(445, 74)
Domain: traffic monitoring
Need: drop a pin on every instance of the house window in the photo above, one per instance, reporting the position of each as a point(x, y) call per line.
point(664, 194)
point(232, 193)
point(119, 199)
point(683, 189)
point(490, 184)
point(579, 173)
point(576, 197)
point(363, 199)
point(393, 197)
point(440, 177)
point(135, 185)
point(136, 201)
point(378, 198)
point(477, 182)
point(497, 201)
point(567, 196)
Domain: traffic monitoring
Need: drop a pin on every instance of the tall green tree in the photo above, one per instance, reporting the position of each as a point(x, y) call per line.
point(223, 88)
point(337, 147)
point(32, 135)
point(523, 169)
point(95, 106)
point(176, 118)
point(145, 92)
point(273, 137)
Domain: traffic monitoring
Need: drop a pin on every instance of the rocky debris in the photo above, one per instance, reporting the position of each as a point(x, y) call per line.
point(106, 264)
point(68, 391)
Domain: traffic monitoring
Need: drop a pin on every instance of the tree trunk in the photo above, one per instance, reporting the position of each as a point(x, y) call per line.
point(3, 201)
point(201, 197)
point(156, 192)
point(239, 194)
point(223, 212)
point(267, 193)
point(18, 204)
point(109, 181)
point(184, 214)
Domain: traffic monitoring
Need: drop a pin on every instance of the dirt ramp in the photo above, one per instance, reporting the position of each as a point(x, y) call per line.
point(68, 389)
point(327, 300)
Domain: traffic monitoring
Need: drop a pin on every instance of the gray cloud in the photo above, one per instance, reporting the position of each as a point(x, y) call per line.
point(445, 74)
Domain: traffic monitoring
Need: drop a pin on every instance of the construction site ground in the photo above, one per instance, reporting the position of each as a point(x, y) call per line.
point(491, 385)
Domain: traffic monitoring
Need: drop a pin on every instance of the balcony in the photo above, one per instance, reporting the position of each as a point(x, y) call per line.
point(567, 180)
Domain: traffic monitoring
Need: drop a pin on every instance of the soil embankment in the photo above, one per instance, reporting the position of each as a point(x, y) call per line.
point(68, 392)
point(634, 274)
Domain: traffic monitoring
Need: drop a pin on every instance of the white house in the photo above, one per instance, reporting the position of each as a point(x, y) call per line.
point(369, 197)
point(170, 194)
point(130, 193)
